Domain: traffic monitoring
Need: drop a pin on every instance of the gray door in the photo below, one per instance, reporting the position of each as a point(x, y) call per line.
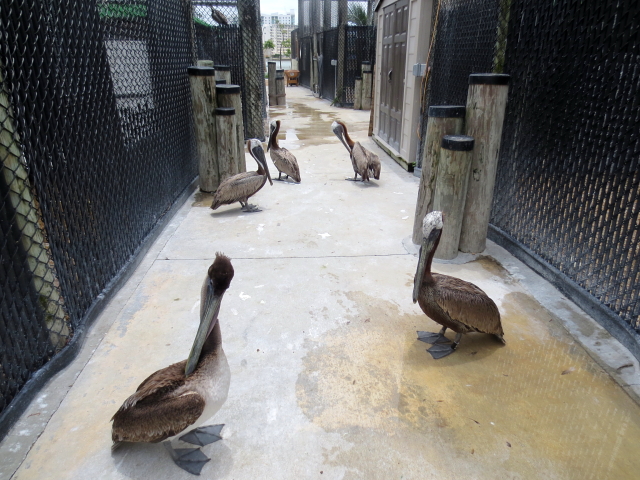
point(394, 51)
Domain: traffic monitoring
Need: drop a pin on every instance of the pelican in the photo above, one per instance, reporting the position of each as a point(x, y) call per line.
point(219, 17)
point(243, 185)
point(365, 163)
point(184, 395)
point(282, 158)
point(451, 302)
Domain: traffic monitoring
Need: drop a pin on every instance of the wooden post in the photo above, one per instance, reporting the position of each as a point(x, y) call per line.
point(357, 94)
point(253, 61)
point(280, 95)
point(221, 82)
point(443, 120)
point(203, 97)
point(367, 78)
point(272, 83)
point(229, 97)
point(227, 142)
point(223, 72)
point(205, 63)
point(451, 190)
point(486, 104)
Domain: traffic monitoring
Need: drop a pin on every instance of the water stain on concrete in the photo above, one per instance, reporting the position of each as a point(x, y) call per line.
point(538, 407)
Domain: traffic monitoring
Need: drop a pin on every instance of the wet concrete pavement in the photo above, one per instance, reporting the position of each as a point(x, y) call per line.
point(328, 379)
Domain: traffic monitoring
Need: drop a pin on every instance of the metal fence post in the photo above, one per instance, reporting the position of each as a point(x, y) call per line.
point(486, 104)
point(442, 120)
point(451, 190)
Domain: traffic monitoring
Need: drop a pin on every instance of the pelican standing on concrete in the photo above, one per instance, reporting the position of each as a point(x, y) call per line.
point(365, 163)
point(282, 158)
point(449, 301)
point(240, 187)
point(184, 395)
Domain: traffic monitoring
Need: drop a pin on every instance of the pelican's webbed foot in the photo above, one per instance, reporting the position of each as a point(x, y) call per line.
point(190, 459)
point(248, 208)
point(440, 350)
point(433, 338)
point(354, 179)
point(279, 177)
point(203, 435)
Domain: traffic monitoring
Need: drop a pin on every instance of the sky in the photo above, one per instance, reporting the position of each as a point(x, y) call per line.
point(279, 6)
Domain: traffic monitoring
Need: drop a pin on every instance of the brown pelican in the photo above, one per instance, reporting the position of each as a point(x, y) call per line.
point(186, 394)
point(219, 17)
point(240, 187)
point(365, 163)
point(449, 301)
point(282, 158)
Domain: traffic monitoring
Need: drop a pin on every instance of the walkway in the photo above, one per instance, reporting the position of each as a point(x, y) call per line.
point(328, 380)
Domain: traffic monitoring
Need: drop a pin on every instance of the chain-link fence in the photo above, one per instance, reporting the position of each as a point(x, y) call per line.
point(334, 38)
point(228, 32)
point(96, 144)
point(568, 182)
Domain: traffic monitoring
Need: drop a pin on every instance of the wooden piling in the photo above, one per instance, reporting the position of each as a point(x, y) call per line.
point(443, 120)
point(357, 94)
point(272, 83)
point(223, 72)
point(486, 104)
point(280, 95)
point(203, 97)
point(227, 144)
point(229, 96)
point(205, 63)
point(451, 190)
point(367, 88)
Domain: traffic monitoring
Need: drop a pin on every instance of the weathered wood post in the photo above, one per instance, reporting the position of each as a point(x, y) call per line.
point(367, 81)
point(271, 75)
point(203, 97)
point(223, 72)
point(280, 95)
point(227, 147)
point(357, 94)
point(221, 82)
point(451, 190)
point(443, 120)
point(229, 96)
point(486, 104)
point(205, 63)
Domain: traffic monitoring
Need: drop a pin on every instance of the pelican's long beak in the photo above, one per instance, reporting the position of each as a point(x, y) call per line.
point(338, 131)
point(258, 153)
point(271, 130)
point(428, 244)
point(207, 322)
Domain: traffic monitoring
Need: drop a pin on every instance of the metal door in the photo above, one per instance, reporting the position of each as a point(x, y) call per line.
point(394, 50)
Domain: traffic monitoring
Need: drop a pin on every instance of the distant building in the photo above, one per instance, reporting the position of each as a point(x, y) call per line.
point(277, 27)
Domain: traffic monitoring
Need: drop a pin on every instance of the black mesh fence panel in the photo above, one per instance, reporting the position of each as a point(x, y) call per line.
point(360, 47)
point(339, 30)
point(465, 43)
point(97, 144)
point(218, 31)
point(568, 184)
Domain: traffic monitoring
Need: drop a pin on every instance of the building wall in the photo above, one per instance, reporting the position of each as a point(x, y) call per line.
point(418, 38)
point(277, 27)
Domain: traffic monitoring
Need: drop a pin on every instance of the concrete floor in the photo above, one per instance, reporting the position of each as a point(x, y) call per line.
point(328, 380)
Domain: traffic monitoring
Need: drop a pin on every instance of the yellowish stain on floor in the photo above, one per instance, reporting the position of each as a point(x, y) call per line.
point(538, 407)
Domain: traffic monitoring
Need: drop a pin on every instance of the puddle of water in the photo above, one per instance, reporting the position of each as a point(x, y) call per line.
point(202, 199)
point(538, 407)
